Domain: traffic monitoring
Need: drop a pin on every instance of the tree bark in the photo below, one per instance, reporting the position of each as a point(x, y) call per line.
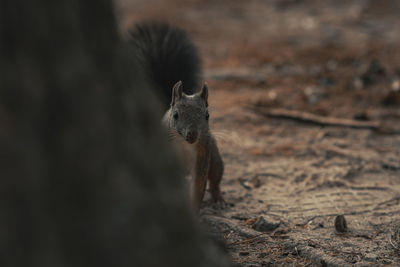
point(86, 176)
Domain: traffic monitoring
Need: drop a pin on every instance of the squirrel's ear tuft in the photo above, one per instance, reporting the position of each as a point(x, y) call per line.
point(176, 93)
point(204, 93)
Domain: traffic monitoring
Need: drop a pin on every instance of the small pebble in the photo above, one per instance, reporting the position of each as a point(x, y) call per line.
point(243, 253)
point(263, 225)
point(371, 257)
point(396, 85)
point(341, 224)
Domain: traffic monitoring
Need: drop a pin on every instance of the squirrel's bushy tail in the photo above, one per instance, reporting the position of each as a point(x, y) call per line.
point(167, 55)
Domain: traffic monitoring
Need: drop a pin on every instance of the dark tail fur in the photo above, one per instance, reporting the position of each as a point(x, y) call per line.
point(168, 55)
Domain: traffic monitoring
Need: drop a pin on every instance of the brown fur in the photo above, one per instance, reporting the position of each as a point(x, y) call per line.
point(187, 119)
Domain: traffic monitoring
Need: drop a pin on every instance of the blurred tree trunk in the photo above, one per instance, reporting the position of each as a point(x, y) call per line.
point(85, 174)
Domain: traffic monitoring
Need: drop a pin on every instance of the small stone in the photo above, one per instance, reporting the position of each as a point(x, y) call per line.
point(396, 85)
point(341, 224)
point(313, 94)
point(371, 257)
point(263, 225)
point(272, 95)
point(244, 253)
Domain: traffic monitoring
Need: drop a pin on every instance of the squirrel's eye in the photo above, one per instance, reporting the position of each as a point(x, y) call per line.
point(207, 115)
point(176, 115)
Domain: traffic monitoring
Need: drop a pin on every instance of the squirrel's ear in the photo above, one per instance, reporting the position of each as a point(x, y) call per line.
point(176, 92)
point(204, 93)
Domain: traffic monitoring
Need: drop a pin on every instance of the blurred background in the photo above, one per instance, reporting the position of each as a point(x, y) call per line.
point(335, 59)
point(329, 57)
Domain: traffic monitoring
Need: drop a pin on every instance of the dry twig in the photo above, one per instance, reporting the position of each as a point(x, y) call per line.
point(248, 240)
point(316, 119)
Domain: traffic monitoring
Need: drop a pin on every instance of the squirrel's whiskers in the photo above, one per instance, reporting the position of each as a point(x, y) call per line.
point(228, 137)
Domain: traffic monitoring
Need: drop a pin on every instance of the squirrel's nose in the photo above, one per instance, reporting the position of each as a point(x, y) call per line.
point(191, 136)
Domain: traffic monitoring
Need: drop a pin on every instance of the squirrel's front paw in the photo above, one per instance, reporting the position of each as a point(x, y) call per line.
point(218, 201)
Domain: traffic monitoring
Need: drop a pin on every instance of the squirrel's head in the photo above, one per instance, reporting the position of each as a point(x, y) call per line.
point(189, 113)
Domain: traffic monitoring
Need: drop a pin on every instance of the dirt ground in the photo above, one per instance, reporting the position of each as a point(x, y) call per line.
point(286, 180)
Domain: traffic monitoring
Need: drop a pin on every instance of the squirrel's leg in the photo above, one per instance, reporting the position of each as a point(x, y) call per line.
point(215, 172)
point(200, 177)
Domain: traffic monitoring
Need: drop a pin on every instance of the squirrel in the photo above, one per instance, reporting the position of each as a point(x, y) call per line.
point(188, 117)
point(171, 59)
